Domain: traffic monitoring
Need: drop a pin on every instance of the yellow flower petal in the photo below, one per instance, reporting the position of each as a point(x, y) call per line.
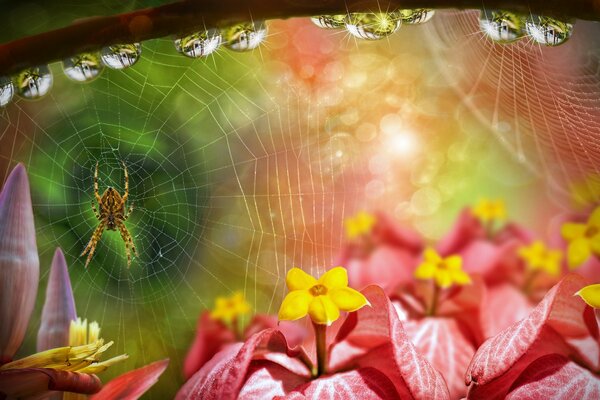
point(103, 365)
point(443, 279)
point(578, 252)
point(426, 270)
point(594, 219)
point(453, 262)
point(334, 278)
point(460, 277)
point(297, 279)
point(591, 295)
point(323, 311)
point(295, 305)
point(348, 299)
point(431, 255)
point(570, 230)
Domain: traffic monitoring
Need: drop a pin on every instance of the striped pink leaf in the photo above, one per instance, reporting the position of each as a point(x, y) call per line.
point(561, 324)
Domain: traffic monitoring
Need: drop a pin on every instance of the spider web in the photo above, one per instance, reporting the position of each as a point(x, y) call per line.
point(244, 165)
point(542, 102)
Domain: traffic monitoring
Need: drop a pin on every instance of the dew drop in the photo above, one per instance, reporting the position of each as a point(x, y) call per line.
point(83, 67)
point(330, 21)
point(199, 44)
point(121, 56)
point(34, 83)
point(417, 15)
point(502, 26)
point(373, 26)
point(7, 90)
point(246, 36)
point(548, 31)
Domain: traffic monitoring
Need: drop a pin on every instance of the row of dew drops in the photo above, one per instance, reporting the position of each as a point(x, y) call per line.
point(500, 26)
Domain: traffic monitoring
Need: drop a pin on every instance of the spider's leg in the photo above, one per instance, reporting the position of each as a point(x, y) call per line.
point(96, 194)
point(126, 194)
point(126, 236)
point(96, 211)
point(91, 246)
point(129, 210)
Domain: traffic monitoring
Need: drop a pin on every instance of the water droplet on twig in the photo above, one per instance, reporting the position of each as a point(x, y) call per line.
point(330, 21)
point(199, 44)
point(34, 83)
point(7, 90)
point(548, 31)
point(245, 36)
point(121, 56)
point(373, 26)
point(502, 26)
point(83, 67)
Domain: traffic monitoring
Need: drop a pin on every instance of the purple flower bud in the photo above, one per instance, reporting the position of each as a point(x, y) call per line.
point(59, 307)
point(19, 262)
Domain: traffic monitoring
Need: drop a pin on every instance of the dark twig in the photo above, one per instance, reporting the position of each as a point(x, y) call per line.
point(187, 16)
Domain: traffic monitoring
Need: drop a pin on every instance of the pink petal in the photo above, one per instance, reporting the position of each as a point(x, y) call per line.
point(442, 343)
point(387, 267)
point(555, 377)
point(19, 262)
point(374, 337)
point(294, 332)
point(363, 384)
point(388, 231)
point(133, 384)
point(503, 306)
point(26, 382)
point(590, 269)
point(495, 262)
point(500, 360)
point(59, 307)
point(266, 380)
point(466, 229)
point(224, 375)
point(512, 231)
point(211, 337)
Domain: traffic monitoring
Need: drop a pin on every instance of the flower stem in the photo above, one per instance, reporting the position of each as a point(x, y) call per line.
point(435, 299)
point(320, 340)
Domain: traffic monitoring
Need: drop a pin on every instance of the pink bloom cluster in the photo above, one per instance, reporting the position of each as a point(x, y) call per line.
point(511, 333)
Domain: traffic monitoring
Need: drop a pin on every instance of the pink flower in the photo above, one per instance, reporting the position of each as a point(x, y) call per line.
point(493, 254)
point(381, 253)
point(444, 325)
point(370, 358)
point(553, 353)
point(213, 335)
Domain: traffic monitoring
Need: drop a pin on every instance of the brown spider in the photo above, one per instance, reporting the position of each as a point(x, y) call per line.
point(112, 217)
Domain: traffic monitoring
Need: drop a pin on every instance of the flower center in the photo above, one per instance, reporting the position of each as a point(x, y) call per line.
point(591, 231)
point(318, 290)
point(442, 265)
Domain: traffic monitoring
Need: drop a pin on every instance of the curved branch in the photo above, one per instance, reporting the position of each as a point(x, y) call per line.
point(187, 16)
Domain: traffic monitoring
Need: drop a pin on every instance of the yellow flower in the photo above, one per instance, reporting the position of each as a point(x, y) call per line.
point(359, 225)
point(586, 192)
point(321, 299)
point(584, 239)
point(539, 257)
point(490, 210)
point(446, 271)
point(229, 309)
point(82, 355)
point(591, 295)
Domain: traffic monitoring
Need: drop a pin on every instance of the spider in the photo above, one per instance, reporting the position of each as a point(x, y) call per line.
point(112, 217)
